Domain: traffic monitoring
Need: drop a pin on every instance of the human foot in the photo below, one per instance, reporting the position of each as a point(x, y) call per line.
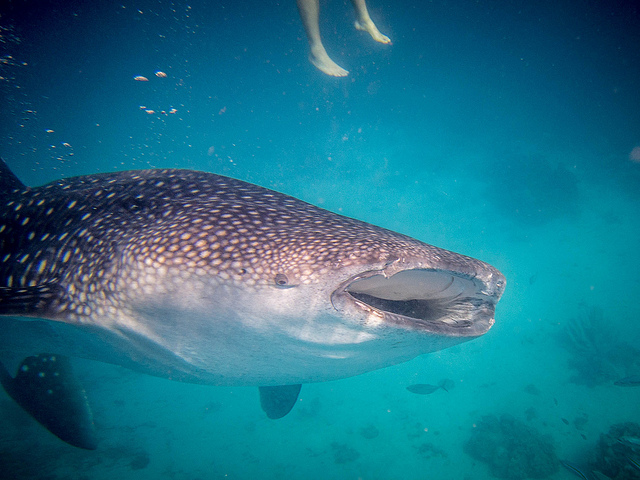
point(369, 26)
point(321, 60)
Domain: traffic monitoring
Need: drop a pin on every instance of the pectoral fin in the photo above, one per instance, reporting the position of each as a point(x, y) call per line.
point(29, 301)
point(278, 401)
point(47, 389)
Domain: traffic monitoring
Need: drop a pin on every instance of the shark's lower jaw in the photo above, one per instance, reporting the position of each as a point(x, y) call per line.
point(436, 301)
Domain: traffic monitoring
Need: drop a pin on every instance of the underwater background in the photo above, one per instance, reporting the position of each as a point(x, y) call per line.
point(508, 131)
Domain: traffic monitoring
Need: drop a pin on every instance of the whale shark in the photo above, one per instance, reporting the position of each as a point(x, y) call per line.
point(198, 277)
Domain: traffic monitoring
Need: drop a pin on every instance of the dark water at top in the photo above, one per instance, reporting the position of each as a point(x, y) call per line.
point(507, 131)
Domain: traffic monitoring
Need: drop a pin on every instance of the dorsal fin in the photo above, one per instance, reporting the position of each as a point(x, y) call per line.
point(8, 180)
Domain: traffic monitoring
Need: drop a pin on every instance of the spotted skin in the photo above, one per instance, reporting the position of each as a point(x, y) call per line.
point(200, 277)
point(80, 231)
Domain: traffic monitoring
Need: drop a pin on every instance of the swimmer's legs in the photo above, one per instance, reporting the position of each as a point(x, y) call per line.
point(365, 23)
point(309, 12)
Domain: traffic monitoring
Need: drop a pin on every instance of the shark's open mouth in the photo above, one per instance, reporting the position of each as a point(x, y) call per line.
point(439, 301)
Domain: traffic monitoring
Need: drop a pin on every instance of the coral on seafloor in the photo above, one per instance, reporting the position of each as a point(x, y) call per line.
point(512, 449)
point(598, 355)
point(343, 453)
point(613, 455)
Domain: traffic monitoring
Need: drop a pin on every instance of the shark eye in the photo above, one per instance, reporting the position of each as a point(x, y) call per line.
point(281, 279)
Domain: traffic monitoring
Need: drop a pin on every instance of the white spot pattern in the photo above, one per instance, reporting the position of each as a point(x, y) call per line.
point(100, 238)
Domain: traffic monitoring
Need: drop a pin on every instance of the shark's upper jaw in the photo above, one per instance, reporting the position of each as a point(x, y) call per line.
point(437, 301)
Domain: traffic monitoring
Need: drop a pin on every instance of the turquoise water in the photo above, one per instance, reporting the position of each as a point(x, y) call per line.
point(501, 130)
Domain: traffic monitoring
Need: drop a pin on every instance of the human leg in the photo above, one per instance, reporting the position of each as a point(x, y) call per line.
point(310, 15)
point(365, 23)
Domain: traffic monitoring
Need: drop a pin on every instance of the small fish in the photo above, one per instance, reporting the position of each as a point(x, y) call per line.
point(598, 475)
point(447, 384)
point(634, 463)
point(578, 471)
point(423, 388)
point(632, 381)
point(565, 421)
point(632, 442)
point(140, 78)
point(160, 74)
